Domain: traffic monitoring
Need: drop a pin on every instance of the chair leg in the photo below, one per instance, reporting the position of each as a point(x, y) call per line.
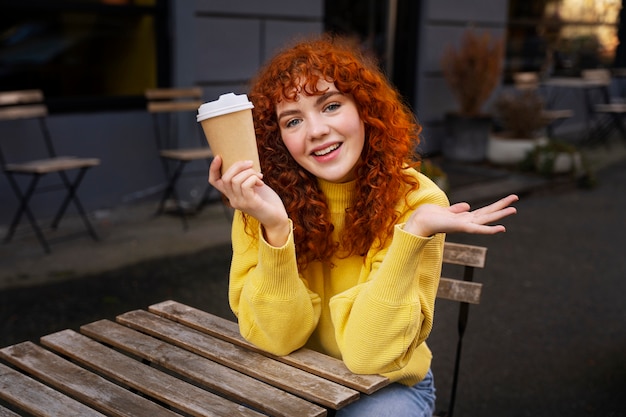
point(170, 190)
point(619, 124)
point(71, 196)
point(605, 124)
point(24, 209)
point(468, 275)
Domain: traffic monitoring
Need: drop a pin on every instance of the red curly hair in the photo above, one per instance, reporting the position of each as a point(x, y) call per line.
point(391, 138)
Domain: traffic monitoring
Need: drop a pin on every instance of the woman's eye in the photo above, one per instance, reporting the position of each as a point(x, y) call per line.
point(332, 107)
point(292, 122)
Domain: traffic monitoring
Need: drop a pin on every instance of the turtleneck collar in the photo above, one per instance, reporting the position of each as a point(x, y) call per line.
point(338, 195)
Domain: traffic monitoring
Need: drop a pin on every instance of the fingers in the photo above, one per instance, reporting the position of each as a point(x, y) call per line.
point(490, 230)
point(459, 208)
point(484, 217)
point(237, 183)
point(215, 170)
point(503, 202)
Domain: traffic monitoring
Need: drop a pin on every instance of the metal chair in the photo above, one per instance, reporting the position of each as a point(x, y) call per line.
point(165, 104)
point(465, 292)
point(29, 106)
point(609, 113)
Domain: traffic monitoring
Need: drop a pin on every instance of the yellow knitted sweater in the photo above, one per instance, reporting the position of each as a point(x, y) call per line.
point(373, 312)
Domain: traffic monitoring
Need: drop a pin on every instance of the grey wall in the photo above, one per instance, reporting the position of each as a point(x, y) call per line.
point(218, 45)
point(443, 24)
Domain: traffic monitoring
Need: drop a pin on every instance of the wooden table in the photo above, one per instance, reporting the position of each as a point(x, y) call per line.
point(168, 360)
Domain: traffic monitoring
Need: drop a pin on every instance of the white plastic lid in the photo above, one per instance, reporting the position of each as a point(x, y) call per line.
point(227, 103)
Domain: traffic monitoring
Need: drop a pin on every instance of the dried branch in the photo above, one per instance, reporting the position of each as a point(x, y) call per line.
point(473, 70)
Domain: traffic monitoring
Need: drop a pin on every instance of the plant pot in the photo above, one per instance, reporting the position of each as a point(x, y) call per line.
point(466, 137)
point(560, 162)
point(511, 151)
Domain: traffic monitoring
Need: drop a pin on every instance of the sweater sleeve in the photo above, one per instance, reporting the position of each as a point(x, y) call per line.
point(380, 322)
point(275, 309)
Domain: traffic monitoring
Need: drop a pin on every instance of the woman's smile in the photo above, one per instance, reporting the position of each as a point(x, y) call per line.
point(325, 151)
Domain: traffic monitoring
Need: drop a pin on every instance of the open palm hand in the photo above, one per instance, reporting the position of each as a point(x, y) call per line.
point(430, 219)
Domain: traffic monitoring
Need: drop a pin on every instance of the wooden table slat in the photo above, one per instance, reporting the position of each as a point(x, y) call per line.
point(278, 374)
point(86, 387)
point(152, 382)
point(38, 399)
point(218, 378)
point(5, 412)
point(306, 359)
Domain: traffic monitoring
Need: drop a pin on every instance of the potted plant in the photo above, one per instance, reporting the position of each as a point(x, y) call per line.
point(556, 158)
point(472, 71)
point(519, 126)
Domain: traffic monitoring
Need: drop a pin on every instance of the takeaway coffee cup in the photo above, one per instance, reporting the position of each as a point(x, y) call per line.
point(228, 127)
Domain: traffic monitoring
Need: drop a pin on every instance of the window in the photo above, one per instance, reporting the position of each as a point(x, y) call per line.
point(84, 54)
point(561, 37)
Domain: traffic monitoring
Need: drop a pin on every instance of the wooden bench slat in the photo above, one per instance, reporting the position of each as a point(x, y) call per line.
point(150, 381)
point(171, 93)
point(468, 255)
point(278, 374)
point(462, 291)
point(38, 399)
point(306, 359)
point(86, 387)
point(618, 108)
point(218, 378)
point(173, 106)
point(23, 112)
point(5, 412)
point(188, 154)
point(60, 163)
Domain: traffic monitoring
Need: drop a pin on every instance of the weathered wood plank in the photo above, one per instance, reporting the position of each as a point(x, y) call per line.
point(5, 412)
point(152, 382)
point(188, 154)
point(218, 378)
point(306, 359)
point(38, 399)
point(86, 387)
point(23, 112)
point(278, 374)
point(469, 255)
point(172, 93)
point(173, 106)
point(174, 99)
point(457, 290)
point(59, 163)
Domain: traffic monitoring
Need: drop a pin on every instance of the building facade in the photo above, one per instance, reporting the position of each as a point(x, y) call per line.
point(219, 45)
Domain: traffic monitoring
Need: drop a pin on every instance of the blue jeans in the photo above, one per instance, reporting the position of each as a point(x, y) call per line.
point(395, 400)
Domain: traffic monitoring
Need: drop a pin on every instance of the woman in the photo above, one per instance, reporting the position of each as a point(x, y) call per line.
point(338, 244)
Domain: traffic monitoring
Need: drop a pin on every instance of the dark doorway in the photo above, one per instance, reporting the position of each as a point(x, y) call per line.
point(388, 29)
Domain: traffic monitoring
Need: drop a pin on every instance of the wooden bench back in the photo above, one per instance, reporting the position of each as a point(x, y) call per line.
point(470, 257)
point(165, 100)
point(526, 80)
point(24, 104)
point(600, 75)
point(463, 291)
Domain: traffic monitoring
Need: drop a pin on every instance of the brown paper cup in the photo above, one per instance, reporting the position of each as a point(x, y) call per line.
point(229, 129)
